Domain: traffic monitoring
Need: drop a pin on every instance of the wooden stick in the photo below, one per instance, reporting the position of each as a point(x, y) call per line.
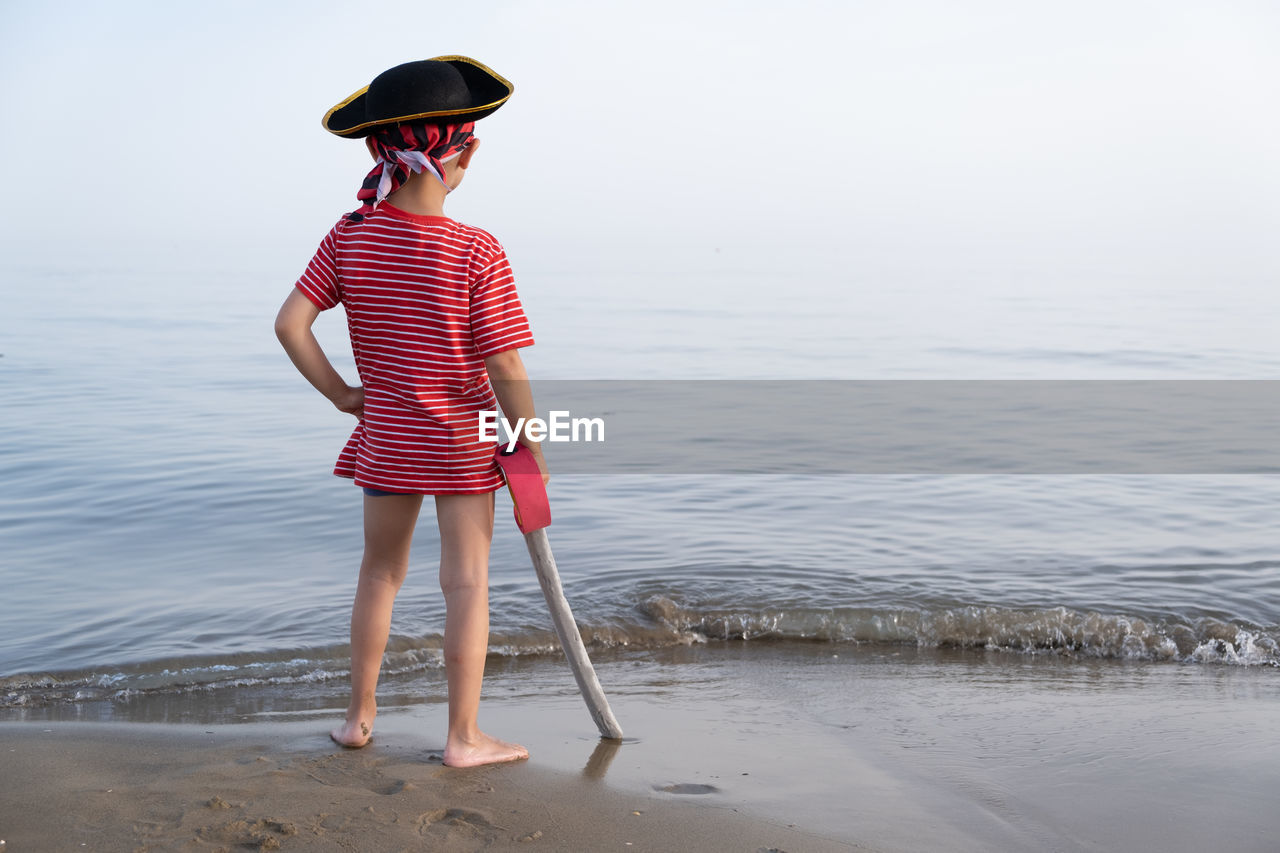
point(549, 579)
point(533, 514)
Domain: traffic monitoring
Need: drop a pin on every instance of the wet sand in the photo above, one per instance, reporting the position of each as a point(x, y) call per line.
point(734, 747)
point(282, 787)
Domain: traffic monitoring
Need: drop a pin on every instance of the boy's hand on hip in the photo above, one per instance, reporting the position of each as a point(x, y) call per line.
point(352, 401)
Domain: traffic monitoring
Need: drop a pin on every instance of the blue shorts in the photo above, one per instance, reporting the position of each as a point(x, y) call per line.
point(379, 493)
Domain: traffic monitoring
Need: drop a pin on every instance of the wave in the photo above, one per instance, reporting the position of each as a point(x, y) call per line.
point(1032, 631)
point(661, 622)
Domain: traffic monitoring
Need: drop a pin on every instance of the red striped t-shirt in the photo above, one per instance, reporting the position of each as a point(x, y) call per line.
point(427, 300)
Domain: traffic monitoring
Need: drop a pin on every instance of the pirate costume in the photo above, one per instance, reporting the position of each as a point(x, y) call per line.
point(427, 298)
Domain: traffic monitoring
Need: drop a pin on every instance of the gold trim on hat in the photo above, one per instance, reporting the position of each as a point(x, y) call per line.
point(398, 119)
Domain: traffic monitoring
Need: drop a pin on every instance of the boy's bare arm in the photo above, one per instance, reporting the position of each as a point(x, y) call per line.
point(511, 387)
point(293, 328)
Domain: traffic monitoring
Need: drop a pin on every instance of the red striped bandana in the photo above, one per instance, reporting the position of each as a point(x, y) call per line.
point(405, 148)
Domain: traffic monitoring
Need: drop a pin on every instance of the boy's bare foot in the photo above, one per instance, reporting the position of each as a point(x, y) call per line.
point(482, 749)
point(352, 735)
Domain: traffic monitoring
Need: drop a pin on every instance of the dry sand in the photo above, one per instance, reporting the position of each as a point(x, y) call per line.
point(137, 787)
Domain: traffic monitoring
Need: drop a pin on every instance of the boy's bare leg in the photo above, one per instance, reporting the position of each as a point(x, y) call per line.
point(466, 529)
point(388, 532)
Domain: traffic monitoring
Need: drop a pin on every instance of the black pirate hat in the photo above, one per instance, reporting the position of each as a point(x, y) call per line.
point(443, 90)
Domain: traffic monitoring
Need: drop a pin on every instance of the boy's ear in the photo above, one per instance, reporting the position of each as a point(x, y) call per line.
point(464, 159)
point(368, 143)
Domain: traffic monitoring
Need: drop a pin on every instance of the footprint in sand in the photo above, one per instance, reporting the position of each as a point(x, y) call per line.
point(265, 834)
point(448, 820)
point(687, 788)
point(394, 787)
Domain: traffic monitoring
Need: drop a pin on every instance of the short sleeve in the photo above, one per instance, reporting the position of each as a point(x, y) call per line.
point(320, 281)
point(498, 322)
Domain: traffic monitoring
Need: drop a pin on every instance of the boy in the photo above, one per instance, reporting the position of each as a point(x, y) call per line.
point(435, 326)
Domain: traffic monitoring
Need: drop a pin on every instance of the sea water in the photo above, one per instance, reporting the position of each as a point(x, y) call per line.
point(1042, 656)
point(170, 523)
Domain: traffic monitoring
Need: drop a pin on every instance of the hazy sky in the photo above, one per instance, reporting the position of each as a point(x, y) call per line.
point(1142, 135)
